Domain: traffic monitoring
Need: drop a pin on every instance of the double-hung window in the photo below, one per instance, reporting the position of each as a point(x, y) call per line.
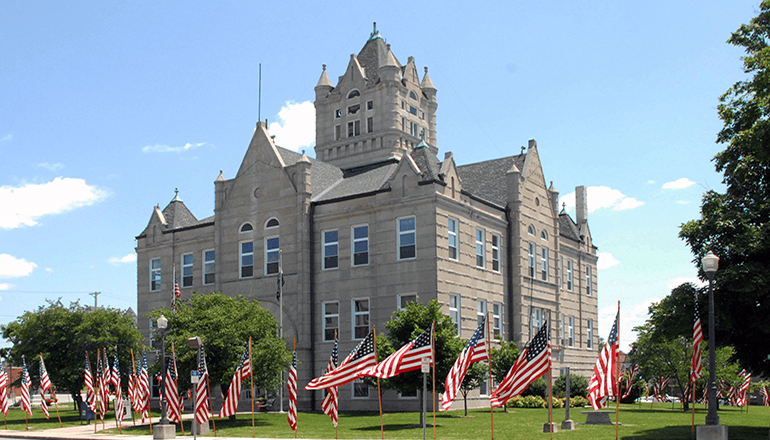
point(272, 254)
point(247, 259)
point(360, 245)
point(569, 275)
point(209, 267)
point(589, 285)
point(454, 311)
point(154, 274)
point(544, 263)
point(187, 270)
point(531, 259)
point(497, 319)
point(571, 331)
point(405, 299)
point(452, 226)
point(590, 327)
point(360, 318)
point(480, 248)
point(331, 311)
point(407, 238)
point(331, 247)
point(481, 311)
point(495, 252)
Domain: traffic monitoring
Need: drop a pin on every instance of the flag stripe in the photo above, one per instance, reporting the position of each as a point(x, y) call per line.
point(532, 363)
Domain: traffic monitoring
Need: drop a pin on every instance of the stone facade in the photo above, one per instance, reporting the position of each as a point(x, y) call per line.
point(377, 220)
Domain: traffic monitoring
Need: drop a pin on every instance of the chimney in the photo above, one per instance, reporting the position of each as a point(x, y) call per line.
point(581, 207)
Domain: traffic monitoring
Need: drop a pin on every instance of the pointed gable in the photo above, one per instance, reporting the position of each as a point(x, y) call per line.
point(374, 54)
point(261, 152)
point(486, 180)
point(178, 216)
point(426, 161)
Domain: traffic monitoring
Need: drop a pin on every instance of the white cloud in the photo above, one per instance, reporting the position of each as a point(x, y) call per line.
point(157, 148)
point(5, 286)
point(600, 197)
point(679, 184)
point(12, 267)
point(296, 126)
point(676, 282)
point(23, 205)
point(7, 138)
point(51, 166)
point(629, 318)
point(651, 182)
point(606, 260)
point(116, 261)
point(683, 202)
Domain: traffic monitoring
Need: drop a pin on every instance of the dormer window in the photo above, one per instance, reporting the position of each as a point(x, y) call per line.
point(353, 94)
point(247, 227)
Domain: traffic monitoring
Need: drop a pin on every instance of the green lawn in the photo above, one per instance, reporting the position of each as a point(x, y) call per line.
point(660, 422)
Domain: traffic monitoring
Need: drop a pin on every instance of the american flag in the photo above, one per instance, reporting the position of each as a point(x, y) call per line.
point(630, 380)
point(202, 408)
point(4, 392)
point(118, 391)
point(361, 358)
point(45, 385)
point(468, 356)
point(696, 368)
point(659, 389)
point(101, 371)
point(132, 384)
point(171, 392)
point(230, 405)
point(602, 383)
point(177, 293)
point(89, 382)
point(143, 389)
point(762, 391)
point(407, 358)
point(743, 388)
point(330, 404)
point(532, 363)
point(291, 384)
point(26, 405)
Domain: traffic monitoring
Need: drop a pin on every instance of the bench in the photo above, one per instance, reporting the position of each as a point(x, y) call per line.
point(265, 406)
point(598, 417)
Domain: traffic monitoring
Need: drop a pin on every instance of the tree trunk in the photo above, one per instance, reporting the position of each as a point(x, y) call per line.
point(465, 403)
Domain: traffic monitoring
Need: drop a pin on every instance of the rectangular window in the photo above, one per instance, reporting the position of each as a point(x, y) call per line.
point(187, 270)
point(495, 252)
point(544, 263)
point(154, 274)
point(360, 245)
point(337, 113)
point(369, 105)
point(272, 254)
point(531, 259)
point(408, 395)
point(589, 286)
point(360, 318)
point(590, 327)
point(569, 275)
point(360, 389)
point(337, 132)
point(403, 300)
point(209, 267)
point(537, 316)
point(331, 312)
point(247, 259)
point(153, 328)
point(452, 224)
point(571, 332)
point(454, 312)
point(353, 109)
point(481, 310)
point(354, 128)
point(484, 387)
point(331, 249)
point(497, 319)
point(369, 124)
point(407, 238)
point(403, 124)
point(480, 248)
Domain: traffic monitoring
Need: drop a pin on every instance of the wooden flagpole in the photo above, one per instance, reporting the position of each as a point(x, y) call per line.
point(181, 401)
point(617, 378)
point(433, 361)
point(208, 389)
point(550, 382)
point(53, 396)
point(379, 393)
point(93, 382)
point(337, 399)
point(489, 363)
point(147, 405)
point(131, 398)
point(295, 409)
point(115, 407)
point(251, 364)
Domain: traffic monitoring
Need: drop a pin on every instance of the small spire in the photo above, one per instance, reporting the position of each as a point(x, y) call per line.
point(375, 33)
point(176, 196)
point(563, 208)
point(522, 149)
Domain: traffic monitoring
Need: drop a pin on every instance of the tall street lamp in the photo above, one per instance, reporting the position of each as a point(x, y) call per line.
point(162, 325)
point(710, 264)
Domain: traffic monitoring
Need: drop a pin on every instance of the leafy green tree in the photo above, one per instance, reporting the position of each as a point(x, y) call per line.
point(477, 373)
point(225, 324)
point(503, 359)
point(63, 335)
point(735, 225)
point(578, 386)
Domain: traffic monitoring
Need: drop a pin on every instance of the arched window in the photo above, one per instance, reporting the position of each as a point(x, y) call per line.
point(544, 235)
point(246, 227)
point(412, 95)
point(531, 230)
point(353, 93)
point(272, 223)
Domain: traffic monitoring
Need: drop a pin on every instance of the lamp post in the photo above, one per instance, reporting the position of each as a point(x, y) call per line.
point(710, 264)
point(162, 325)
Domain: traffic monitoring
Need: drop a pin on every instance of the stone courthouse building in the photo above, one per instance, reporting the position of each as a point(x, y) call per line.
point(379, 219)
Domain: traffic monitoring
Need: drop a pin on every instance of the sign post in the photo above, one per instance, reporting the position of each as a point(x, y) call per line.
point(425, 368)
point(194, 376)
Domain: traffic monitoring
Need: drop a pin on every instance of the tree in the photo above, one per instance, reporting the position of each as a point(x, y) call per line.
point(225, 324)
point(736, 225)
point(503, 359)
point(63, 335)
point(476, 375)
point(578, 386)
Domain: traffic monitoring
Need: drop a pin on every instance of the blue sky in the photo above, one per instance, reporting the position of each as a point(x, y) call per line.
point(106, 107)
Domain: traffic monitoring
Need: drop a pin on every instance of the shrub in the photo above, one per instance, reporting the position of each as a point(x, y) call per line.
point(516, 402)
point(534, 402)
point(578, 402)
point(556, 402)
point(578, 386)
point(536, 388)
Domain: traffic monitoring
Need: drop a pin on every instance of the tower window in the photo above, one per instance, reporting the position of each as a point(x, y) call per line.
point(337, 132)
point(353, 109)
point(354, 128)
point(369, 105)
point(412, 110)
point(353, 93)
point(369, 124)
point(412, 95)
point(338, 113)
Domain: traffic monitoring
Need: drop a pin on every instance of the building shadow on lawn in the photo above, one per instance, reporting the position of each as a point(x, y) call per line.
point(685, 433)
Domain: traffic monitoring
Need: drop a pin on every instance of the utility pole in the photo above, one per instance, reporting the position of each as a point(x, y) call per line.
point(96, 297)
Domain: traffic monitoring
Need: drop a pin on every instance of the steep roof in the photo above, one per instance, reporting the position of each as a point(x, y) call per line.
point(322, 174)
point(359, 181)
point(427, 162)
point(372, 56)
point(568, 228)
point(178, 216)
point(487, 180)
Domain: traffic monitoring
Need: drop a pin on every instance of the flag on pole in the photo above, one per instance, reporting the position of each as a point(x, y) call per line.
point(291, 384)
point(4, 392)
point(89, 382)
point(361, 358)
point(230, 405)
point(100, 379)
point(762, 391)
point(171, 392)
point(143, 389)
point(468, 356)
point(330, 404)
point(407, 358)
point(602, 382)
point(119, 410)
point(202, 408)
point(742, 390)
point(532, 363)
point(45, 385)
point(177, 292)
point(26, 405)
point(132, 384)
point(696, 368)
point(630, 380)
